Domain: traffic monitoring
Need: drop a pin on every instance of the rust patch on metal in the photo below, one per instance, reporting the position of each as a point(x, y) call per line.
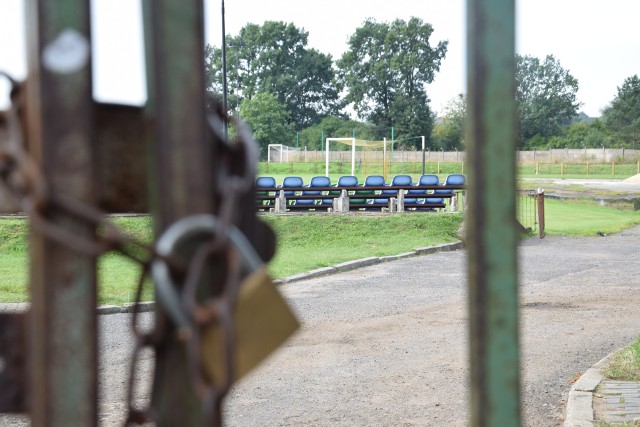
point(13, 362)
point(120, 151)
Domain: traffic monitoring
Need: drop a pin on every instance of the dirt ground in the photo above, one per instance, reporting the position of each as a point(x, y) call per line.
point(387, 344)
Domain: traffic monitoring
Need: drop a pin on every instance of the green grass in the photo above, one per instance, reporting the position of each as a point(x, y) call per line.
point(625, 365)
point(587, 218)
point(305, 242)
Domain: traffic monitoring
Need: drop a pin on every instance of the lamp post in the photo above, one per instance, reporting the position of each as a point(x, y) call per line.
point(225, 130)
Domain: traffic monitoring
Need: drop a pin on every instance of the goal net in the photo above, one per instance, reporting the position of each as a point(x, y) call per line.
point(355, 145)
point(280, 153)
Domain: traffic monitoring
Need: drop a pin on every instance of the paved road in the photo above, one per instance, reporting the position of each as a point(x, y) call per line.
point(386, 345)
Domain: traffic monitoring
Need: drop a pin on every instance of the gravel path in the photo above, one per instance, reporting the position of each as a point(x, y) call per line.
point(386, 344)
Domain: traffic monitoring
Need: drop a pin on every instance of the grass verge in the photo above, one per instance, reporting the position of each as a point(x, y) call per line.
point(305, 242)
point(625, 365)
point(587, 217)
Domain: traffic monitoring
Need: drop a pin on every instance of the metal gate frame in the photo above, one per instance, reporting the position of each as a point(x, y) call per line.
point(61, 125)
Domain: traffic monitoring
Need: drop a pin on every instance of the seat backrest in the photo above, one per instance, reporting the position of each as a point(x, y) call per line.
point(454, 179)
point(401, 180)
point(320, 181)
point(347, 181)
point(292, 181)
point(429, 180)
point(265, 182)
point(374, 180)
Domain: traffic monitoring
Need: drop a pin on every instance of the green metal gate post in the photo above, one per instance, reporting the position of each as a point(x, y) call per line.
point(493, 277)
point(183, 163)
point(63, 341)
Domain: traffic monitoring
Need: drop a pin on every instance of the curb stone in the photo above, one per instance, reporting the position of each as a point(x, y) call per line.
point(579, 407)
point(142, 307)
point(109, 309)
point(352, 265)
point(397, 257)
point(324, 271)
point(446, 247)
point(309, 274)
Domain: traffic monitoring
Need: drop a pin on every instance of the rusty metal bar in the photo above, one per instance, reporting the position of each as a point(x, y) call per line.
point(63, 333)
point(182, 171)
point(493, 278)
point(14, 377)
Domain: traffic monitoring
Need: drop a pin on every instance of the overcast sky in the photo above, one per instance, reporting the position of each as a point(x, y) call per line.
point(597, 41)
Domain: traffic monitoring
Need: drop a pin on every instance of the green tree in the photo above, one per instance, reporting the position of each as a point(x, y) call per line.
point(268, 120)
point(449, 131)
point(622, 117)
point(274, 57)
point(582, 134)
point(547, 97)
point(334, 127)
point(386, 70)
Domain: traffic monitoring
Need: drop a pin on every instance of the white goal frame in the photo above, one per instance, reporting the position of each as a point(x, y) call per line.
point(283, 149)
point(353, 154)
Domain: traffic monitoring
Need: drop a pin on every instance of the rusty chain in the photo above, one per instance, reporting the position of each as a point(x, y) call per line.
point(26, 183)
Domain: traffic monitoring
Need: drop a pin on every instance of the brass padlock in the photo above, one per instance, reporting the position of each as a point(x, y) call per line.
point(262, 321)
point(261, 318)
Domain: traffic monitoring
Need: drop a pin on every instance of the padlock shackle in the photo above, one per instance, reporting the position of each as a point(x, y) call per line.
point(166, 245)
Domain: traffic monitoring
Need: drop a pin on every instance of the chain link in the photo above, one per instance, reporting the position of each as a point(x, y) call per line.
point(26, 183)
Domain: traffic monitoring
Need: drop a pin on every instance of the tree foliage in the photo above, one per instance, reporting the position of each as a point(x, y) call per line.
point(274, 57)
point(386, 70)
point(449, 131)
point(547, 97)
point(268, 119)
point(622, 117)
point(581, 135)
point(334, 127)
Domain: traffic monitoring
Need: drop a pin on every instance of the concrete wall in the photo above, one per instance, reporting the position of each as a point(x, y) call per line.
point(591, 155)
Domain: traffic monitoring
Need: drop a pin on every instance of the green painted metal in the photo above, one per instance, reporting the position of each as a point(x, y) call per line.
point(492, 246)
point(182, 154)
point(63, 333)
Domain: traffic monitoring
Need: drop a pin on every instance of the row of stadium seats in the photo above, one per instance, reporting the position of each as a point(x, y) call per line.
point(371, 195)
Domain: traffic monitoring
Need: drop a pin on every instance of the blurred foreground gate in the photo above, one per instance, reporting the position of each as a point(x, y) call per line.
point(89, 153)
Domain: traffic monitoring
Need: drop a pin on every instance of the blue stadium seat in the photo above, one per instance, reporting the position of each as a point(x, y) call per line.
point(453, 179)
point(375, 181)
point(265, 182)
point(404, 180)
point(289, 182)
point(420, 193)
point(317, 181)
point(350, 181)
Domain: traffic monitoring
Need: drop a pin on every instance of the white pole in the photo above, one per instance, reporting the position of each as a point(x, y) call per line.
point(384, 158)
point(327, 159)
point(353, 156)
point(269, 153)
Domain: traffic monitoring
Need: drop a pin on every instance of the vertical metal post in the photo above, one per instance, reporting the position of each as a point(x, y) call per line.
point(423, 144)
point(63, 353)
point(540, 202)
point(183, 160)
point(493, 278)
